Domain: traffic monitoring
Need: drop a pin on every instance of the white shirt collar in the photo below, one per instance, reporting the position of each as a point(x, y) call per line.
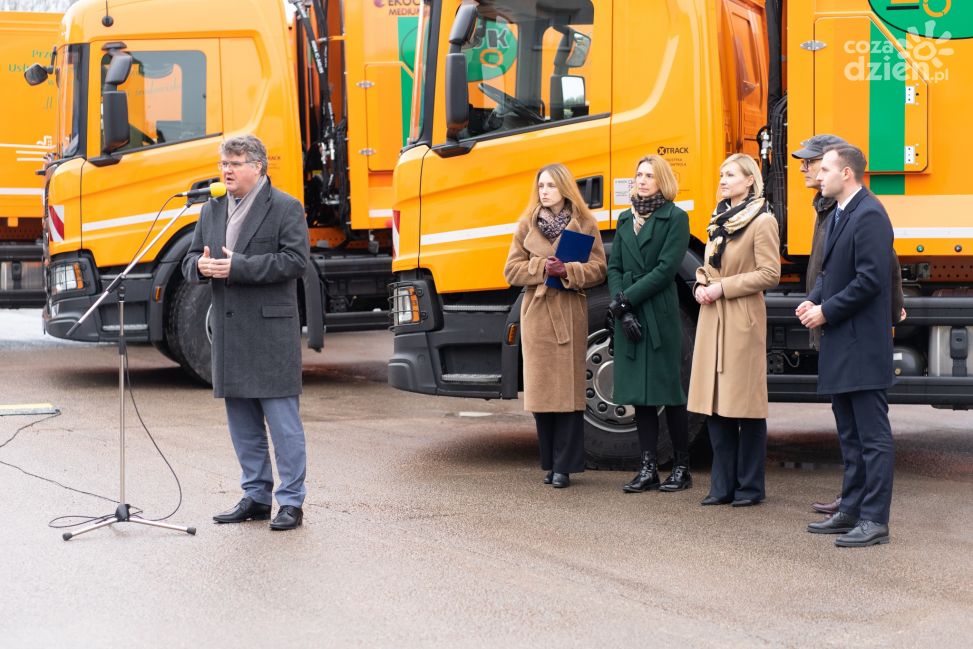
point(844, 204)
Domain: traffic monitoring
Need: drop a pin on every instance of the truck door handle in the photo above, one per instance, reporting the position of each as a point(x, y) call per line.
point(591, 188)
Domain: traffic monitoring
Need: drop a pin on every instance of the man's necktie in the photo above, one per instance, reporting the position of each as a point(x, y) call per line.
point(834, 223)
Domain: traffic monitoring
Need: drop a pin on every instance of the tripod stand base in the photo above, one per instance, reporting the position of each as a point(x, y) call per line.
point(123, 515)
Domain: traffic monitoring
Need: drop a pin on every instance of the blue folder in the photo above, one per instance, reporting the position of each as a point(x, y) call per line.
point(572, 246)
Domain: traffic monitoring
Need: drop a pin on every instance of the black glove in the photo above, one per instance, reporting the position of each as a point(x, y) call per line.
point(610, 321)
point(620, 305)
point(631, 327)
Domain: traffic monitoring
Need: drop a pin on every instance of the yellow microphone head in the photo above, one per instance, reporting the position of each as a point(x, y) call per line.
point(217, 189)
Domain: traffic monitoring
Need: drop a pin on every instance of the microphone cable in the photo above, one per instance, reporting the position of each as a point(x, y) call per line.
point(83, 519)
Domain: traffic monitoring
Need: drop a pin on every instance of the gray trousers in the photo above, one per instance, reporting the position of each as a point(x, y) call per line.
point(247, 430)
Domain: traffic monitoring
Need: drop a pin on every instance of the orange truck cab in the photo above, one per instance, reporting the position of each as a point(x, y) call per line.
point(147, 90)
point(26, 136)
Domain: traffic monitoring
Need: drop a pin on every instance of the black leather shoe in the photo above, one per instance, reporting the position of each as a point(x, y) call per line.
point(646, 479)
point(836, 524)
point(830, 508)
point(246, 510)
point(549, 477)
point(560, 480)
point(713, 500)
point(679, 479)
point(288, 517)
point(865, 533)
point(745, 502)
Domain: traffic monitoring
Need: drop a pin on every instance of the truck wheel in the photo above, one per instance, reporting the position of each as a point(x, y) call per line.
point(188, 331)
point(611, 441)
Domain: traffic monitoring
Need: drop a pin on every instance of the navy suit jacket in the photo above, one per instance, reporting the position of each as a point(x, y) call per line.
point(854, 290)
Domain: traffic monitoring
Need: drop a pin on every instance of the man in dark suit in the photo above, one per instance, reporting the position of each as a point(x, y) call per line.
point(251, 247)
point(810, 154)
point(851, 302)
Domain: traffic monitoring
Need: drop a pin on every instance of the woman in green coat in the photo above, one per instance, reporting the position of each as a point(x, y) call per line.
point(650, 241)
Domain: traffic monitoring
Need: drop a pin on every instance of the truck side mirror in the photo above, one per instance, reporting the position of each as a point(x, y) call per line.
point(580, 44)
point(457, 83)
point(114, 119)
point(118, 69)
point(37, 74)
point(463, 24)
point(457, 95)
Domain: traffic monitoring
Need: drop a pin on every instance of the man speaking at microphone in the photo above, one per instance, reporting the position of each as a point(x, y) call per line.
point(251, 246)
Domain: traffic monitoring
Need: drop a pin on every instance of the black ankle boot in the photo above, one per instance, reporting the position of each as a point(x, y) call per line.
point(680, 478)
point(647, 477)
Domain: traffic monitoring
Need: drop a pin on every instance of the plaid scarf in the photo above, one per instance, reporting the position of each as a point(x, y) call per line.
point(643, 207)
point(727, 222)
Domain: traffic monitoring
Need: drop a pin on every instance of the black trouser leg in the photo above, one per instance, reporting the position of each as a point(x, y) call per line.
point(723, 435)
point(546, 426)
point(647, 425)
point(569, 442)
point(678, 421)
point(751, 459)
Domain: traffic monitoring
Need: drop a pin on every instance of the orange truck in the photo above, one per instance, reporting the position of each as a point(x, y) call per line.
point(326, 85)
point(506, 86)
point(26, 136)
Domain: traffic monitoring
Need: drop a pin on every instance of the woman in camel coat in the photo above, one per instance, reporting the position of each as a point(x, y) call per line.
point(554, 321)
point(729, 377)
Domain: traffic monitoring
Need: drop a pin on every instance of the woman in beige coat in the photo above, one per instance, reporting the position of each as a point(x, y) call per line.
point(729, 378)
point(554, 321)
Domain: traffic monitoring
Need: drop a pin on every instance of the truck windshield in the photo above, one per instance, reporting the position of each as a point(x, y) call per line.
point(69, 71)
point(528, 63)
point(419, 72)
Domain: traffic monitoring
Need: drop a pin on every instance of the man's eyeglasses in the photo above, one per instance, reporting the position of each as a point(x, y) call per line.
point(806, 163)
point(223, 165)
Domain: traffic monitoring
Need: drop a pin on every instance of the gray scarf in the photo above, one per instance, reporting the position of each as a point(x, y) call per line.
point(237, 210)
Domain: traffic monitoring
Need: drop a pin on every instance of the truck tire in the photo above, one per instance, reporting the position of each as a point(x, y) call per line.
point(610, 438)
point(188, 333)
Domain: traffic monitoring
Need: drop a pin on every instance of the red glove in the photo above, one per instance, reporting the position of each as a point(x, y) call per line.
point(555, 267)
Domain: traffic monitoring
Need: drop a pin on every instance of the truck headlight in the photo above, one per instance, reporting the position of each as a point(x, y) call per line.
point(67, 277)
point(405, 305)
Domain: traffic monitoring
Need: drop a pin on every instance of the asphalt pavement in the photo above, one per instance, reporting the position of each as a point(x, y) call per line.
point(426, 525)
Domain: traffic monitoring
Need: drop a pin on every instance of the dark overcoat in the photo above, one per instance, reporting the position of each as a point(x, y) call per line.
point(854, 289)
point(824, 209)
point(643, 266)
point(255, 321)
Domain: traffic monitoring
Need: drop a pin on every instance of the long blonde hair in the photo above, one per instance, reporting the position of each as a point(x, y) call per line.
point(750, 168)
point(566, 184)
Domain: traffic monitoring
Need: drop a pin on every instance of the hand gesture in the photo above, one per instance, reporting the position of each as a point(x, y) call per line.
point(221, 267)
point(813, 317)
point(204, 263)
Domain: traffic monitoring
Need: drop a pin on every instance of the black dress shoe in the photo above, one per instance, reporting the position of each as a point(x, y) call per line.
point(745, 502)
point(679, 479)
point(560, 480)
point(549, 477)
point(646, 479)
point(865, 533)
point(830, 508)
point(713, 500)
point(288, 517)
point(246, 510)
point(836, 524)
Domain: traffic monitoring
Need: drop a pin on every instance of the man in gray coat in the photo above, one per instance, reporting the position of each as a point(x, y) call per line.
point(251, 247)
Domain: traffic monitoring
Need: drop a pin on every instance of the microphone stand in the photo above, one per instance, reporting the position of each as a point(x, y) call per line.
point(123, 512)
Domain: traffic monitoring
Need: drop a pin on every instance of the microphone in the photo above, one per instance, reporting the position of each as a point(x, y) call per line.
point(215, 190)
